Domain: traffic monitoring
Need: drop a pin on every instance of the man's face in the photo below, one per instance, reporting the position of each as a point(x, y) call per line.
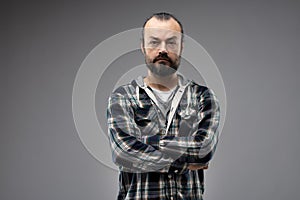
point(162, 46)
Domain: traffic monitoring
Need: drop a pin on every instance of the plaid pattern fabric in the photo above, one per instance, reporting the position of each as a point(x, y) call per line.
point(152, 162)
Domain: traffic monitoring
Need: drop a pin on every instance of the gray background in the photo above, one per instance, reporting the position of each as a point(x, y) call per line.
point(255, 44)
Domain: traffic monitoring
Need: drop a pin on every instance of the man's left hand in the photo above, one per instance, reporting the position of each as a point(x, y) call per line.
point(196, 167)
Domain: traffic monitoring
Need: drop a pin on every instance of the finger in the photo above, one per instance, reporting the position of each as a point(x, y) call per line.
point(195, 167)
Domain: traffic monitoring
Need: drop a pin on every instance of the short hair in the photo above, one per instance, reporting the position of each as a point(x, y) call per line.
point(162, 16)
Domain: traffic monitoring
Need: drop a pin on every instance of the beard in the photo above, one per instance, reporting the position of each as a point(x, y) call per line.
point(162, 65)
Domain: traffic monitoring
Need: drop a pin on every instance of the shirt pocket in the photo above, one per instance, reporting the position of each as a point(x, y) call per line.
point(147, 121)
point(187, 116)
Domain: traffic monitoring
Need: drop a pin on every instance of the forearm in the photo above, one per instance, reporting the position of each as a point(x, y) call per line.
point(131, 153)
point(195, 150)
point(185, 160)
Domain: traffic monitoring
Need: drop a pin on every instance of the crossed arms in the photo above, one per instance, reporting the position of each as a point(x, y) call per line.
point(162, 153)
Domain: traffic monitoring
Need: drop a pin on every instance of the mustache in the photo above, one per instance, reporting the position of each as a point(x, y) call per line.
point(162, 57)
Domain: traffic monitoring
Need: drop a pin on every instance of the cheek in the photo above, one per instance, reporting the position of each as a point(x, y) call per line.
point(174, 56)
point(150, 54)
point(148, 58)
point(174, 53)
point(150, 51)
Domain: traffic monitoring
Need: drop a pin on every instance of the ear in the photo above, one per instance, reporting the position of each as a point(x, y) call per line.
point(142, 47)
point(181, 48)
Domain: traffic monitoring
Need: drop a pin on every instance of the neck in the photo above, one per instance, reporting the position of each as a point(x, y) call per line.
point(164, 83)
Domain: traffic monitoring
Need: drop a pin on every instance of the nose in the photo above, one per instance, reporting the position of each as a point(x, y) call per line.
point(163, 48)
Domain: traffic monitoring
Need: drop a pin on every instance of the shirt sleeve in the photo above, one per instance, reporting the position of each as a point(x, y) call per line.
point(128, 151)
point(200, 144)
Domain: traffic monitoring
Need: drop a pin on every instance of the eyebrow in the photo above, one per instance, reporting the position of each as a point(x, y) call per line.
point(171, 38)
point(155, 38)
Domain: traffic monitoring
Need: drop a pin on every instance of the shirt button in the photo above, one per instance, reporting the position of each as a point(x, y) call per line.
point(169, 176)
point(176, 171)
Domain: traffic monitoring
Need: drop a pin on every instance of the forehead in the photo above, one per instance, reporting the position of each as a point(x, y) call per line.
point(162, 28)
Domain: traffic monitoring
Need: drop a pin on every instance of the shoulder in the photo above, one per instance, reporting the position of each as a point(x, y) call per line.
point(192, 85)
point(197, 88)
point(125, 90)
point(203, 94)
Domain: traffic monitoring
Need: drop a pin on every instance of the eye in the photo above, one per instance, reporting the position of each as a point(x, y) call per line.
point(153, 42)
point(172, 42)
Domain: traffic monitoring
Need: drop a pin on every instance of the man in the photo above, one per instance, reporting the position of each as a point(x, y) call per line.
point(162, 127)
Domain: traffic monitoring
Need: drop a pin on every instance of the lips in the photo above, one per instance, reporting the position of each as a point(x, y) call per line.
point(161, 59)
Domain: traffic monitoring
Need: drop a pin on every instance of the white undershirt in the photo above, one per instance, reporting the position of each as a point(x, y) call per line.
point(163, 95)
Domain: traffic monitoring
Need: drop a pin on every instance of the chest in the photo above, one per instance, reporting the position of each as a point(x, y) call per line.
point(152, 118)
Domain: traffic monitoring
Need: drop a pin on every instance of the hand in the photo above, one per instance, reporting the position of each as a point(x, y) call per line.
point(196, 167)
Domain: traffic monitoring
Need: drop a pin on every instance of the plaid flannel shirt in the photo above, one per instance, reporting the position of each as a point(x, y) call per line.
point(152, 161)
